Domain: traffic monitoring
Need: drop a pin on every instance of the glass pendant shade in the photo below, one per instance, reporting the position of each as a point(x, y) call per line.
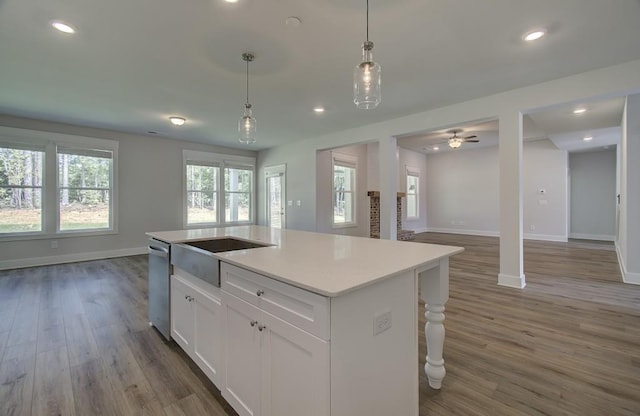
point(247, 126)
point(367, 80)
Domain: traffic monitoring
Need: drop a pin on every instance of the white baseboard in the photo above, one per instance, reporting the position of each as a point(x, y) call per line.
point(598, 237)
point(70, 258)
point(417, 230)
point(545, 237)
point(467, 232)
point(517, 282)
point(627, 276)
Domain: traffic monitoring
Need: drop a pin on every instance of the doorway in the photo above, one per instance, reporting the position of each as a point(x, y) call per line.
point(276, 187)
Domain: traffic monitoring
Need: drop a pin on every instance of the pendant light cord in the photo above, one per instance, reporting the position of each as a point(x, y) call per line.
point(247, 81)
point(367, 20)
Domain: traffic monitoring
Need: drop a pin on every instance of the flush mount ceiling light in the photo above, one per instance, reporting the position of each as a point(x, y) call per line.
point(247, 124)
point(177, 121)
point(367, 76)
point(533, 35)
point(580, 110)
point(63, 27)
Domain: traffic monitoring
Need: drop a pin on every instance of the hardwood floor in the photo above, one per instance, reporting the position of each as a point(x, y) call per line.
point(74, 340)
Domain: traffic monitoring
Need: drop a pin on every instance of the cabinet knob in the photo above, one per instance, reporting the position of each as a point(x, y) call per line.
point(261, 327)
point(253, 323)
point(260, 292)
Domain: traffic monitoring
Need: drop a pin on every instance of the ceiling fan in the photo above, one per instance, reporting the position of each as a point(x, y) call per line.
point(456, 141)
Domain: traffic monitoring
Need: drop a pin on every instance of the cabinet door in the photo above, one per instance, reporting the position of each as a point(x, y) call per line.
point(207, 341)
point(296, 371)
point(242, 353)
point(181, 313)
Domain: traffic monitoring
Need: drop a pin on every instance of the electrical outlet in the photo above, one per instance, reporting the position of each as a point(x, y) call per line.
point(289, 203)
point(298, 203)
point(381, 322)
point(54, 243)
point(532, 227)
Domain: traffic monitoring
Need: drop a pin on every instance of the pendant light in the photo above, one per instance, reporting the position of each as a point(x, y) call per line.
point(366, 76)
point(247, 124)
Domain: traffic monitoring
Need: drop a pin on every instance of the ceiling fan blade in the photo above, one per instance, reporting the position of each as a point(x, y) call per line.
point(471, 141)
point(469, 137)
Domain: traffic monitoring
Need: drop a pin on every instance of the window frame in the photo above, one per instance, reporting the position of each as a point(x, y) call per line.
point(222, 161)
point(346, 161)
point(409, 171)
point(49, 142)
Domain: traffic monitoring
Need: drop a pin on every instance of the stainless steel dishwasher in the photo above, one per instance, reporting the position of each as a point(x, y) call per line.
point(159, 284)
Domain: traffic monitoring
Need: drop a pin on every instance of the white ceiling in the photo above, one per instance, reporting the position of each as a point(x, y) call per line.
point(134, 63)
point(559, 124)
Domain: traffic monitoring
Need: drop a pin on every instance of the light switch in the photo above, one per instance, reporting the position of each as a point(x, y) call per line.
point(289, 203)
point(298, 203)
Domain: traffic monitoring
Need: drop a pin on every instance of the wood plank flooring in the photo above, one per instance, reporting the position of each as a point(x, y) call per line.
point(74, 340)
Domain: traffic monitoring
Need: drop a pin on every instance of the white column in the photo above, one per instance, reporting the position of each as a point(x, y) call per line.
point(388, 158)
point(628, 245)
point(511, 251)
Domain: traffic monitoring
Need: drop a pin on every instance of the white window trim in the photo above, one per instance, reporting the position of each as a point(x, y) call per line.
point(412, 171)
point(222, 161)
point(351, 161)
point(48, 141)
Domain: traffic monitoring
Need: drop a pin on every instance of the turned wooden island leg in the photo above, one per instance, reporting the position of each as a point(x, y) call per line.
point(434, 333)
point(434, 290)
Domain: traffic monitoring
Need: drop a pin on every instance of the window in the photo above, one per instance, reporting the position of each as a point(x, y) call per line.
point(219, 189)
point(238, 187)
point(344, 190)
point(413, 189)
point(202, 193)
point(21, 175)
point(55, 184)
point(84, 189)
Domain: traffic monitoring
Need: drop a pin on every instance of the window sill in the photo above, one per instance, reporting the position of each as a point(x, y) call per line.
point(349, 225)
point(49, 236)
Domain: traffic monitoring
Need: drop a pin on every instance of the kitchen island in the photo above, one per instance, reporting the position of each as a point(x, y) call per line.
point(314, 324)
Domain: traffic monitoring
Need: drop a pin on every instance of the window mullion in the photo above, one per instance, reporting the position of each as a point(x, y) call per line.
point(50, 194)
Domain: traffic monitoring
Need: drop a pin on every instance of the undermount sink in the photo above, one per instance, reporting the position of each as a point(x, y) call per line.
point(195, 257)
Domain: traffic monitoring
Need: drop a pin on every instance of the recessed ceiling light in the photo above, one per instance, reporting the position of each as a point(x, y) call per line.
point(436, 148)
point(231, 1)
point(579, 110)
point(177, 121)
point(62, 27)
point(293, 21)
point(319, 109)
point(588, 139)
point(533, 35)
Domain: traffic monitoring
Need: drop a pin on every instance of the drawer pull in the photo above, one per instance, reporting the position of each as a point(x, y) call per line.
point(253, 323)
point(260, 292)
point(261, 327)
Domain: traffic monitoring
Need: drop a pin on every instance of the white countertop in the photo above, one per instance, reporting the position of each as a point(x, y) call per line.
point(327, 264)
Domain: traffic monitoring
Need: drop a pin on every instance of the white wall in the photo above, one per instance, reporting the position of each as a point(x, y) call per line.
point(462, 191)
point(150, 197)
point(628, 244)
point(545, 168)
point(324, 192)
point(593, 195)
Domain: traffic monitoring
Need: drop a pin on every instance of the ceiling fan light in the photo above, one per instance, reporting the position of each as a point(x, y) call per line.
point(455, 143)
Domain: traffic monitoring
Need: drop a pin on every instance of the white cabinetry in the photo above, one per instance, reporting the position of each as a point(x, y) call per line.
point(274, 368)
point(196, 322)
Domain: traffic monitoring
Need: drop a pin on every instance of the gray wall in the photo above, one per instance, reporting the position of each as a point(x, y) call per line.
point(149, 189)
point(593, 195)
point(463, 193)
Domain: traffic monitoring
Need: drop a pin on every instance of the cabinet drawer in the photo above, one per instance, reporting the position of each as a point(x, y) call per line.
point(303, 309)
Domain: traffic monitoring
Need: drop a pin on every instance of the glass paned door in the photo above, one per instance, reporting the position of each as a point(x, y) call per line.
point(276, 200)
